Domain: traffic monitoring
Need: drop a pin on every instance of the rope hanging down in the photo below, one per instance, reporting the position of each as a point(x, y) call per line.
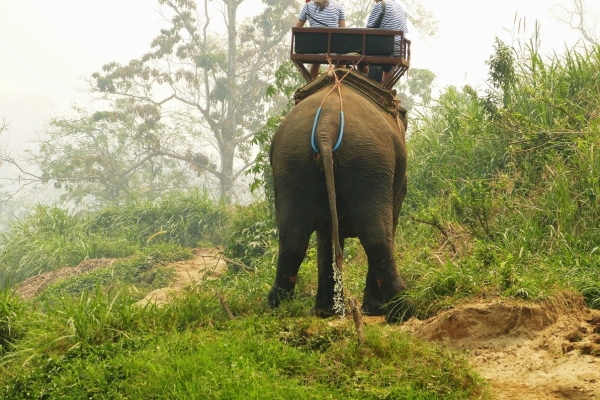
point(330, 72)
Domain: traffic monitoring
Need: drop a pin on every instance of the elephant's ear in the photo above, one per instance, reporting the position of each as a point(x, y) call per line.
point(402, 115)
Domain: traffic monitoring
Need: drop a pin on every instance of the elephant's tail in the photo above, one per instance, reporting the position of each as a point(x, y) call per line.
point(327, 155)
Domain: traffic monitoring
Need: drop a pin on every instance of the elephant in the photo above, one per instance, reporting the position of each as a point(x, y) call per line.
point(362, 185)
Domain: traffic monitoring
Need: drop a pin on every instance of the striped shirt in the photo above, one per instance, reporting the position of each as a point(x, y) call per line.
point(328, 17)
point(394, 18)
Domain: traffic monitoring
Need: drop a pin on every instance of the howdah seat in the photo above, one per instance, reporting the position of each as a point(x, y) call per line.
point(349, 46)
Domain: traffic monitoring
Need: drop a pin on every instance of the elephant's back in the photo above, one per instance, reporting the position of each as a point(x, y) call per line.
point(362, 116)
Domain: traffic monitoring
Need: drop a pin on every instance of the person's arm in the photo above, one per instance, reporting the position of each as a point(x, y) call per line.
point(374, 15)
point(342, 18)
point(299, 24)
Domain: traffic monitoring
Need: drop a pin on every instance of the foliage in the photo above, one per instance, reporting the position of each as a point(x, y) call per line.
point(12, 325)
point(214, 90)
point(111, 157)
point(253, 233)
point(143, 271)
point(53, 238)
point(288, 79)
point(417, 88)
point(185, 218)
point(513, 172)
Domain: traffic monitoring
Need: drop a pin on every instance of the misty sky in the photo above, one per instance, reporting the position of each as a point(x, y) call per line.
point(48, 48)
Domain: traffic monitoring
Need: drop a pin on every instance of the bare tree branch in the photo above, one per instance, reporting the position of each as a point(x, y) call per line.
point(577, 18)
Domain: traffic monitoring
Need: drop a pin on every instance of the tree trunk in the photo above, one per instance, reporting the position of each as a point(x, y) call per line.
point(229, 131)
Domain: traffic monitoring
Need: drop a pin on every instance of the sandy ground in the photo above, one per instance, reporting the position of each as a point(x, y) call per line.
point(206, 264)
point(524, 350)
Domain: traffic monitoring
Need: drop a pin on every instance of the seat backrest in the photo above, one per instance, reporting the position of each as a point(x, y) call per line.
point(310, 43)
point(343, 43)
point(379, 45)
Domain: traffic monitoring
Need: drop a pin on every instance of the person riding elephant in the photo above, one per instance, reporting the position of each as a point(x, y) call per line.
point(321, 14)
point(356, 191)
point(386, 14)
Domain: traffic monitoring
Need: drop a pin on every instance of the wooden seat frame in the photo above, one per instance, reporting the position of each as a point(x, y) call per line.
point(399, 64)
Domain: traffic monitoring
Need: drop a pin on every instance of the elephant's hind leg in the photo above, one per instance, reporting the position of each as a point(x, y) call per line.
point(373, 303)
point(383, 282)
point(294, 235)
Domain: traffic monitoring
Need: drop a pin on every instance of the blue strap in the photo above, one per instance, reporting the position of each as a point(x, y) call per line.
point(312, 138)
point(340, 135)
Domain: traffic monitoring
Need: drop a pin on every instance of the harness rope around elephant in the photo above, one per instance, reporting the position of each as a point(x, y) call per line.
point(338, 83)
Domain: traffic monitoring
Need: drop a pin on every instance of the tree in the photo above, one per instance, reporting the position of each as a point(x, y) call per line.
point(217, 86)
point(111, 157)
point(416, 90)
point(108, 157)
point(578, 17)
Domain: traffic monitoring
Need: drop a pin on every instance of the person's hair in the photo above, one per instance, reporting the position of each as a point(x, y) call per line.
point(321, 3)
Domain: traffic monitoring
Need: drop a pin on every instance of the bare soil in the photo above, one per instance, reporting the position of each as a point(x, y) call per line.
point(34, 286)
point(525, 350)
point(207, 264)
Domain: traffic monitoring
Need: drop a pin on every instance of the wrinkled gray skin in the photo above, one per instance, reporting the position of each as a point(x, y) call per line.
point(369, 174)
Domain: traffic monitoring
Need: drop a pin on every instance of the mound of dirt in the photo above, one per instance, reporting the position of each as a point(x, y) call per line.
point(525, 350)
point(34, 286)
point(205, 264)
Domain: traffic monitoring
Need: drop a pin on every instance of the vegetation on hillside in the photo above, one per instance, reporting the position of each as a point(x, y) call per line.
point(504, 187)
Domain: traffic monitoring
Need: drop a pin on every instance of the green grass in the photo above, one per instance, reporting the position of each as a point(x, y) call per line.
point(52, 238)
point(99, 346)
point(146, 271)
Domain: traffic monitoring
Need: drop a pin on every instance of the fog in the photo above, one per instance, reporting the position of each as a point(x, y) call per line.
point(50, 48)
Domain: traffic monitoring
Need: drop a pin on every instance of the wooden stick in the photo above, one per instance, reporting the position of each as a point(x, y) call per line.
point(239, 264)
point(225, 306)
point(358, 322)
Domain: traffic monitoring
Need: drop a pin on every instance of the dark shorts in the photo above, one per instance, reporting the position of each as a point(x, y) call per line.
point(386, 68)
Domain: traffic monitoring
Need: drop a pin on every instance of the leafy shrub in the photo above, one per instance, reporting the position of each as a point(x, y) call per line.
point(252, 233)
point(12, 312)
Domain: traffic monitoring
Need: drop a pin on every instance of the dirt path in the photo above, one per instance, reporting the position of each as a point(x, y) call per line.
point(525, 350)
point(35, 285)
point(206, 264)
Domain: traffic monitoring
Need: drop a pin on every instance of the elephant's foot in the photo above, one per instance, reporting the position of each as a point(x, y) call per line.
point(372, 306)
point(323, 312)
point(326, 310)
point(277, 294)
point(396, 310)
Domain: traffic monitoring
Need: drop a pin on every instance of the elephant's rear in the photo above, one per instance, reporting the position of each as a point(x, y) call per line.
point(360, 185)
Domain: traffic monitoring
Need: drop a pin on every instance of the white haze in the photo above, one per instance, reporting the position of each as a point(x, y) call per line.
point(49, 48)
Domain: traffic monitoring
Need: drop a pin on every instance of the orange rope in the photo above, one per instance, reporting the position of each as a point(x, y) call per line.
point(338, 82)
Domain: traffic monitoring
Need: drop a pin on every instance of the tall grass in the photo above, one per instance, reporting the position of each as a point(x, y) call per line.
point(52, 238)
point(184, 218)
point(514, 171)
